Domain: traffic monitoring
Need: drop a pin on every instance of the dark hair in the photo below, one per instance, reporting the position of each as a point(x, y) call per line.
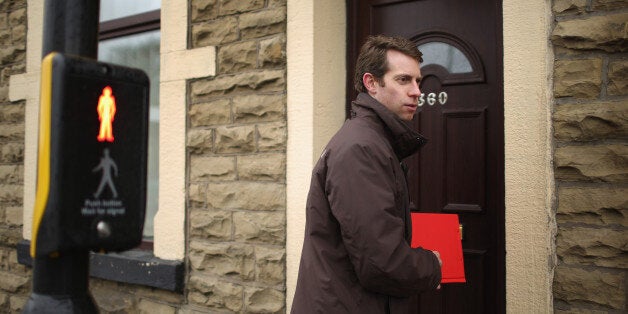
point(372, 58)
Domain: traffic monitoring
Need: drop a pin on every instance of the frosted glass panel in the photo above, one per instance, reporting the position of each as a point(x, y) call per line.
point(142, 51)
point(115, 9)
point(445, 55)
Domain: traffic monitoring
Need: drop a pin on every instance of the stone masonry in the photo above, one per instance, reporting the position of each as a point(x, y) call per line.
point(15, 283)
point(236, 142)
point(591, 155)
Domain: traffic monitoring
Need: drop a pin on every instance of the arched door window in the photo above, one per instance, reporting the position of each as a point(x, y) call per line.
point(449, 58)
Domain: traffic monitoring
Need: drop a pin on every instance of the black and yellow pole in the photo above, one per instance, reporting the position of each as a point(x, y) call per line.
point(61, 278)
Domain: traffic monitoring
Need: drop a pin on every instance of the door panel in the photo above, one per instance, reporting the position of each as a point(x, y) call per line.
point(460, 170)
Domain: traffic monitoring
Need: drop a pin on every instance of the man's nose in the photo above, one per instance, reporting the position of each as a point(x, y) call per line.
point(415, 91)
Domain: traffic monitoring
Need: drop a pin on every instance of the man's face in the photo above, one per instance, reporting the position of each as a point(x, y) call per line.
point(399, 88)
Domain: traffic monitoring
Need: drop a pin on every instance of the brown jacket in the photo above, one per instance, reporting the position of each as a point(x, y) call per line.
point(356, 254)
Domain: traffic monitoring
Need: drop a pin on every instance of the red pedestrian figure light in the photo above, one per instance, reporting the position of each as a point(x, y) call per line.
point(106, 111)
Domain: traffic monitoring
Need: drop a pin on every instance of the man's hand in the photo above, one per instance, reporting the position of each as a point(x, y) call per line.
point(438, 256)
point(440, 262)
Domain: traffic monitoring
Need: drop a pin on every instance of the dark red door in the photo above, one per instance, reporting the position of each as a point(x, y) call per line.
point(461, 169)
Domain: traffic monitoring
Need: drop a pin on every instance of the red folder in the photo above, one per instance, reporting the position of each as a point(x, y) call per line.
point(440, 232)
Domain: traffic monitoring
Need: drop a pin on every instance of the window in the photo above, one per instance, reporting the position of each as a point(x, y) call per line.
point(130, 35)
point(445, 55)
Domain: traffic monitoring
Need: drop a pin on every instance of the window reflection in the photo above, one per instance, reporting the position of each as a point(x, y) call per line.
point(445, 55)
point(142, 51)
point(115, 9)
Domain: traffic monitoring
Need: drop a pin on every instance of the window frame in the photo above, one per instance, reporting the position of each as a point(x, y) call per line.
point(125, 26)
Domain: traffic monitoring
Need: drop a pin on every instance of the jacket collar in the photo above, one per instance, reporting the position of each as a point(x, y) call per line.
point(405, 140)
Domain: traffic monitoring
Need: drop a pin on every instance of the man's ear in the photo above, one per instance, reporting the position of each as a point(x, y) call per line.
point(369, 82)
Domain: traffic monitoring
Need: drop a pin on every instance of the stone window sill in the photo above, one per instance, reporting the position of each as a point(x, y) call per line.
point(134, 267)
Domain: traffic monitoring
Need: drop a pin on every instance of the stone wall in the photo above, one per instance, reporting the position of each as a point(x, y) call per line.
point(236, 144)
point(236, 168)
point(591, 155)
point(15, 281)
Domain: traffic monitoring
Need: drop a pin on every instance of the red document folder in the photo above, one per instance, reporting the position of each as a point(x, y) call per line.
point(440, 232)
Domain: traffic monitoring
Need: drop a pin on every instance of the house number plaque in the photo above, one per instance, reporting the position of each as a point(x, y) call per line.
point(432, 98)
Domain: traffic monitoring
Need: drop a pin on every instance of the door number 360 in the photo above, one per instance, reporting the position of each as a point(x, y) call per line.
point(431, 98)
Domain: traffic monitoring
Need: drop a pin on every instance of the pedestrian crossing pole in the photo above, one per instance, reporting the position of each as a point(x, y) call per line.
point(60, 281)
point(92, 155)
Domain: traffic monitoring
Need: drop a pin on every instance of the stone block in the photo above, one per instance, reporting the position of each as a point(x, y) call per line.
point(17, 302)
point(223, 259)
point(200, 141)
point(5, 37)
point(608, 4)
point(250, 82)
point(212, 168)
point(272, 137)
point(12, 54)
point(262, 23)
point(608, 163)
point(276, 3)
point(11, 193)
point(13, 283)
point(17, 17)
point(12, 113)
point(246, 195)
point(11, 174)
point(235, 139)
point(572, 310)
point(11, 132)
point(150, 307)
point(10, 236)
point(589, 246)
point(260, 227)
point(4, 300)
point(259, 108)
point(603, 32)
point(4, 20)
point(13, 216)
point(214, 293)
point(4, 94)
point(569, 6)
point(264, 300)
point(272, 51)
point(211, 225)
point(264, 167)
point(202, 10)
point(618, 78)
point(18, 34)
point(271, 265)
point(11, 152)
point(197, 195)
point(593, 206)
point(228, 7)
point(215, 32)
point(575, 122)
point(113, 300)
point(572, 284)
point(578, 78)
point(210, 113)
point(237, 57)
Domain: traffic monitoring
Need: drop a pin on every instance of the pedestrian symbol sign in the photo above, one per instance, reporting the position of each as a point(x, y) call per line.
point(106, 166)
point(106, 112)
point(92, 156)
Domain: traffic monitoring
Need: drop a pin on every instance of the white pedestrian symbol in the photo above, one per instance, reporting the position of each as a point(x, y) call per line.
point(106, 164)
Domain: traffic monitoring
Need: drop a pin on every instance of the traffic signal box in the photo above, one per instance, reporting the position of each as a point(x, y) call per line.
point(91, 177)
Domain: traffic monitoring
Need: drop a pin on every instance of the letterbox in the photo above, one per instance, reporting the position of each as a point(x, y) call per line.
point(92, 156)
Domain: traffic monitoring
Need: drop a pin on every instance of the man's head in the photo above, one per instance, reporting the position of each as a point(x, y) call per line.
point(388, 70)
point(372, 58)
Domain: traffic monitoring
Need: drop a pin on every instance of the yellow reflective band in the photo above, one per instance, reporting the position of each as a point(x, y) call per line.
point(43, 155)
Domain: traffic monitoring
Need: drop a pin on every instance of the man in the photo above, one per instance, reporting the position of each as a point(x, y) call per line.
point(356, 254)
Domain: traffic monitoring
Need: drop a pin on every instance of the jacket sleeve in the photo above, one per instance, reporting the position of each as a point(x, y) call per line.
point(360, 187)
